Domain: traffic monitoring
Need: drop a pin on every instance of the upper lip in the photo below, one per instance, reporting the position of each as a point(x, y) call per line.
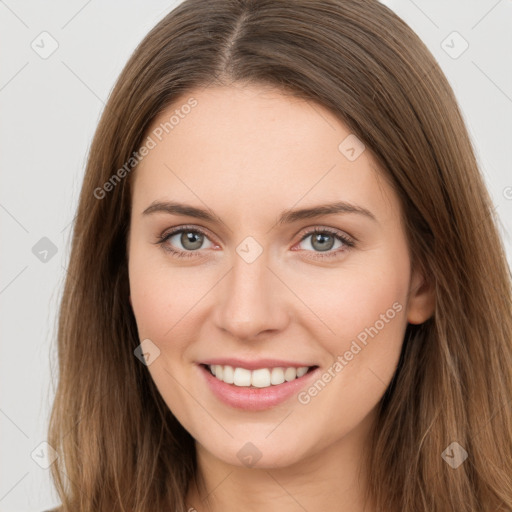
point(254, 364)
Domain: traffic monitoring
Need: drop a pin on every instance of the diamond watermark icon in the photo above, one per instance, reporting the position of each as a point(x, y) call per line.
point(454, 45)
point(147, 352)
point(351, 147)
point(454, 455)
point(249, 249)
point(44, 250)
point(44, 455)
point(249, 454)
point(44, 45)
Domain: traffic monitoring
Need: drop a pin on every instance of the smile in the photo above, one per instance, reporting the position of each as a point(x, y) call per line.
point(259, 388)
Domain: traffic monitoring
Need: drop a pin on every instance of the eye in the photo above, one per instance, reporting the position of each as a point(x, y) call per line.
point(323, 240)
point(191, 239)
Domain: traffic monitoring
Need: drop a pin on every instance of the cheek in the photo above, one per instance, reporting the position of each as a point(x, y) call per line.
point(366, 315)
point(160, 295)
point(364, 309)
point(160, 305)
point(149, 301)
point(150, 292)
point(167, 306)
point(351, 302)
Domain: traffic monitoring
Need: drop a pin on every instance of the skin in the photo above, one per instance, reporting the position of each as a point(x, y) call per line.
point(247, 153)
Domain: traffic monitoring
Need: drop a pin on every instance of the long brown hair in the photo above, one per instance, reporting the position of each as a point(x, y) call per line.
point(120, 447)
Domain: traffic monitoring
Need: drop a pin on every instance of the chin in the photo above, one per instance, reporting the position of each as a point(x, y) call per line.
point(260, 453)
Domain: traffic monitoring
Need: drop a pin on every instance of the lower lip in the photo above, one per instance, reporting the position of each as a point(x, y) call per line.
point(255, 399)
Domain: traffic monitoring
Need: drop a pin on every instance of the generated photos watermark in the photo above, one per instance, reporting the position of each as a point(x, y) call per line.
point(151, 142)
point(342, 360)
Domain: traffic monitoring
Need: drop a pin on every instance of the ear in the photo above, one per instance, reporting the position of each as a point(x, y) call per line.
point(421, 303)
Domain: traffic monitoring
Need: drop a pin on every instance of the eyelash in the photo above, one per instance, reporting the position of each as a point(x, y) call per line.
point(349, 243)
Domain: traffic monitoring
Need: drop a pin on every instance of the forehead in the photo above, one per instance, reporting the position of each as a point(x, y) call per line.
point(253, 147)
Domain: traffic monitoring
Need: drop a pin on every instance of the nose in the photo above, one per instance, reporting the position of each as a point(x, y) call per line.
point(251, 300)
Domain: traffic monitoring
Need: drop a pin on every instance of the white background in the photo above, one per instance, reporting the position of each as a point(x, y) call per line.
point(50, 109)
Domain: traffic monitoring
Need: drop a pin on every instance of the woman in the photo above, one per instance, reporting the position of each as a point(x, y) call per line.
point(286, 288)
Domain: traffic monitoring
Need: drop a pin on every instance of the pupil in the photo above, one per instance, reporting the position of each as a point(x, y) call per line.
point(322, 238)
point(188, 237)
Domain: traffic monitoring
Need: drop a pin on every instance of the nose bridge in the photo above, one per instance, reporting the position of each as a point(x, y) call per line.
point(249, 302)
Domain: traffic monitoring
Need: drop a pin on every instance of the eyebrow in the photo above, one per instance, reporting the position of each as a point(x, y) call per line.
point(286, 216)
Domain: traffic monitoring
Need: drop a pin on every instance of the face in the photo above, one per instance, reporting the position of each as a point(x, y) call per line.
point(261, 288)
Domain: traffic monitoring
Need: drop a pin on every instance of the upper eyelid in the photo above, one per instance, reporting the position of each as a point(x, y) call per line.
point(180, 229)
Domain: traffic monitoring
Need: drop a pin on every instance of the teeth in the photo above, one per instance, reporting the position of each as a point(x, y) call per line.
point(277, 376)
point(260, 378)
point(302, 371)
point(290, 374)
point(242, 377)
point(228, 375)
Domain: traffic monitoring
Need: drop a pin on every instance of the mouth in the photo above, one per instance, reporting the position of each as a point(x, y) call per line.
point(256, 385)
point(257, 378)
